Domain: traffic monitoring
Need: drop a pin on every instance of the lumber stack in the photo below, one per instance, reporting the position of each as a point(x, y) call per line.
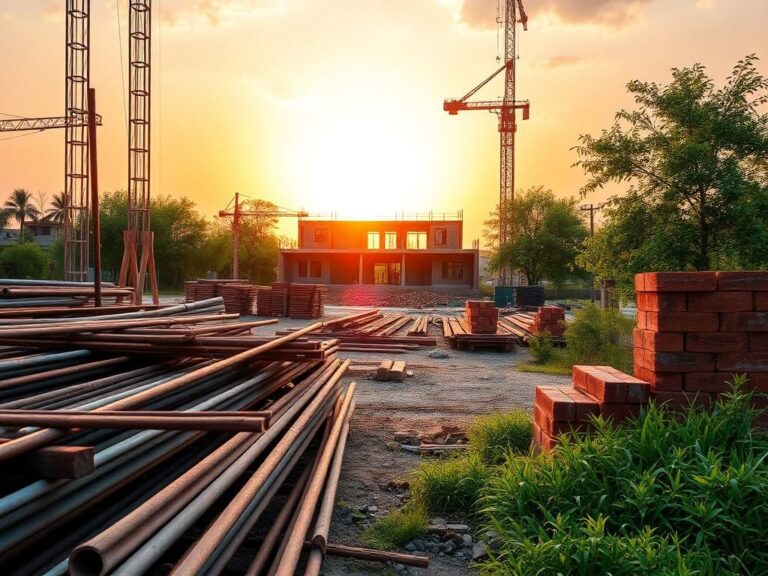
point(549, 319)
point(279, 298)
point(238, 298)
point(596, 391)
point(390, 370)
point(481, 316)
point(419, 326)
point(264, 300)
point(15, 294)
point(306, 300)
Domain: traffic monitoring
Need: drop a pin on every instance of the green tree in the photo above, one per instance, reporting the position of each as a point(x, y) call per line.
point(25, 260)
point(21, 206)
point(696, 161)
point(259, 243)
point(545, 235)
point(55, 213)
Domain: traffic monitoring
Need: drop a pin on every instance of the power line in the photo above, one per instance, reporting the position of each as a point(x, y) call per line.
point(20, 135)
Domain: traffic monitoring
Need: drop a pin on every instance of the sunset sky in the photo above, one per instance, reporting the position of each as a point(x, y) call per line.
point(336, 105)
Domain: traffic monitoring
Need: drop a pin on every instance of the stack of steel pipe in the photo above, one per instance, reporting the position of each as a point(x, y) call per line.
point(46, 293)
point(124, 462)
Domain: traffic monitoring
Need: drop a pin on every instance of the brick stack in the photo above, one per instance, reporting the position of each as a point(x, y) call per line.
point(596, 390)
point(238, 298)
point(481, 316)
point(279, 298)
point(549, 319)
point(696, 329)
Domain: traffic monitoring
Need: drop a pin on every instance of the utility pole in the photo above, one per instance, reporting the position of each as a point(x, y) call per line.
point(236, 239)
point(592, 208)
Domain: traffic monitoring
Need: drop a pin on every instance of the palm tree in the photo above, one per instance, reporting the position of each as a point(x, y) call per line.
point(56, 212)
point(20, 206)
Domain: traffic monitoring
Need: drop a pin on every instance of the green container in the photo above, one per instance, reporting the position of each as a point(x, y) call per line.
point(504, 296)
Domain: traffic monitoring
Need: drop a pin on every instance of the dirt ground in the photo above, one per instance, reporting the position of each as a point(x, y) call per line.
point(449, 391)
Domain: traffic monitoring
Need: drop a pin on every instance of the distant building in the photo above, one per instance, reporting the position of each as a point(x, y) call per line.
point(44, 233)
point(418, 251)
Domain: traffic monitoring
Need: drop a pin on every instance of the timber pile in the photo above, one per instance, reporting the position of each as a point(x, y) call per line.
point(238, 298)
point(372, 331)
point(264, 300)
point(306, 300)
point(141, 463)
point(391, 371)
point(205, 288)
point(459, 335)
point(279, 298)
point(419, 327)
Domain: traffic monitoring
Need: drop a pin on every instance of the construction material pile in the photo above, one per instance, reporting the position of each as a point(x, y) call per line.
point(34, 294)
point(479, 328)
point(302, 301)
point(387, 296)
point(205, 288)
point(157, 440)
point(481, 316)
point(239, 298)
point(550, 319)
point(373, 331)
point(596, 391)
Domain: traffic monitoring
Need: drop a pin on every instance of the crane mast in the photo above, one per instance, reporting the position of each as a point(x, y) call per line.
point(506, 109)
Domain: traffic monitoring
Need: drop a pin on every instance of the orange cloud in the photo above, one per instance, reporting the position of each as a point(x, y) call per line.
point(481, 14)
point(215, 12)
point(560, 61)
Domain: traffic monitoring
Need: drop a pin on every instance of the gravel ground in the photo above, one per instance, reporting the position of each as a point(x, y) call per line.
point(450, 391)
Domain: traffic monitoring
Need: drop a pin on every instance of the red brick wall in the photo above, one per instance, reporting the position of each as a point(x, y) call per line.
point(696, 329)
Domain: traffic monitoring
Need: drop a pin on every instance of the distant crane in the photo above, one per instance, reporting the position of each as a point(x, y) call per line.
point(237, 214)
point(506, 109)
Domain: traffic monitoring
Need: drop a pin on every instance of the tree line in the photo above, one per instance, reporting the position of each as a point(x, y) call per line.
point(694, 160)
point(187, 245)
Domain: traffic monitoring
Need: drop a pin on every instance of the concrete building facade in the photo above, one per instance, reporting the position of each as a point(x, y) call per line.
point(417, 251)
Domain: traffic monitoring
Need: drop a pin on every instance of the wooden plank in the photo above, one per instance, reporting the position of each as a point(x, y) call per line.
point(397, 372)
point(382, 372)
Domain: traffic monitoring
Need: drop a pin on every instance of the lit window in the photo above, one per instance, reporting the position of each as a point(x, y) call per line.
point(374, 240)
point(390, 240)
point(441, 236)
point(417, 241)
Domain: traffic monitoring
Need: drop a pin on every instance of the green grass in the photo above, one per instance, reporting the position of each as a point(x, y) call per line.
point(396, 528)
point(494, 435)
point(669, 494)
point(596, 336)
point(450, 486)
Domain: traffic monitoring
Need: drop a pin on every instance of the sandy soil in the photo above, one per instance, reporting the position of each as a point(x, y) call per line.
point(447, 391)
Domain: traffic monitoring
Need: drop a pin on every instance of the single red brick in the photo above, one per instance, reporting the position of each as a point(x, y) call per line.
point(742, 362)
point(600, 384)
point(676, 400)
point(556, 403)
point(707, 382)
point(761, 301)
point(748, 280)
point(619, 412)
point(680, 282)
point(546, 424)
point(720, 302)
point(547, 442)
point(640, 358)
point(661, 301)
point(757, 382)
point(744, 322)
point(584, 405)
point(683, 362)
point(662, 341)
point(682, 321)
point(670, 381)
point(639, 282)
point(642, 320)
point(716, 341)
point(758, 342)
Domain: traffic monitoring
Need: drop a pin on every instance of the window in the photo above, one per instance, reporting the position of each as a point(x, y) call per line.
point(453, 271)
point(321, 235)
point(390, 240)
point(441, 236)
point(310, 269)
point(45, 231)
point(417, 241)
point(374, 240)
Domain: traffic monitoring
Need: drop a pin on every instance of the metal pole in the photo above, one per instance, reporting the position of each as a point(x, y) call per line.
point(94, 180)
point(236, 239)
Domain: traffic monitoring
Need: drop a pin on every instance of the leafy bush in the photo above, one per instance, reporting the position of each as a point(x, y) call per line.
point(396, 528)
point(600, 336)
point(667, 494)
point(494, 435)
point(25, 260)
point(540, 347)
point(450, 486)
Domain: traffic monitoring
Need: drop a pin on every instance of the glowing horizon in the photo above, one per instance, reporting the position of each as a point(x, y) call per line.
point(336, 106)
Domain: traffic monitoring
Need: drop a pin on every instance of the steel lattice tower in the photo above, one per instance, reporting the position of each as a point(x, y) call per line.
point(77, 83)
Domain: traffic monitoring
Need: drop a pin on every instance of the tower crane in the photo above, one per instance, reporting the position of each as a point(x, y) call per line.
point(237, 214)
point(506, 110)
